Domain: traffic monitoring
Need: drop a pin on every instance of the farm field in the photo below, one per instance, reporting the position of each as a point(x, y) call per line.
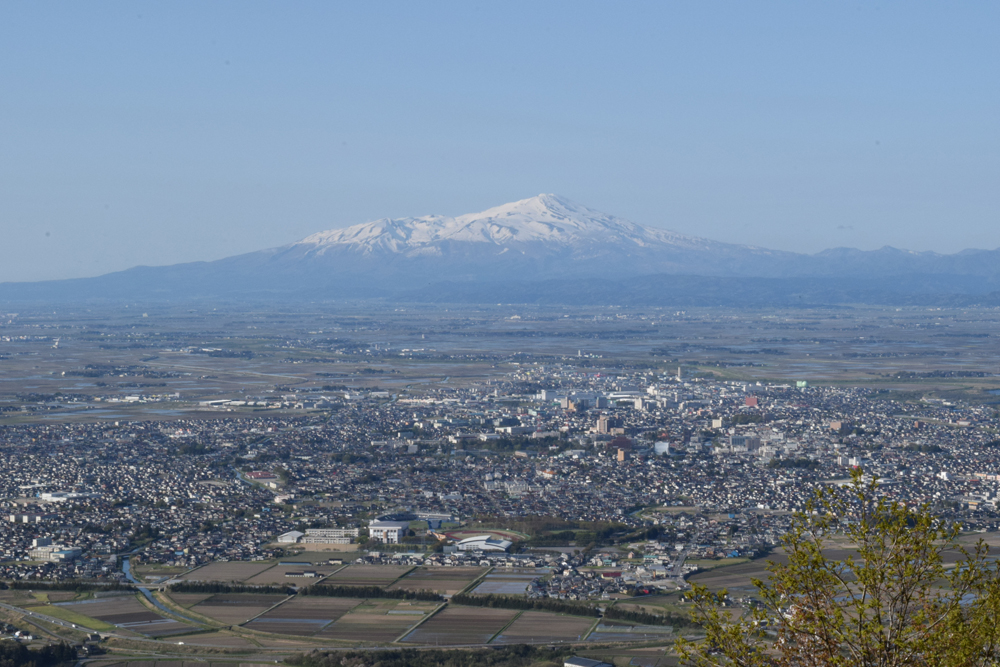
point(230, 571)
point(320, 557)
point(368, 575)
point(19, 598)
point(540, 626)
point(443, 580)
point(738, 576)
point(279, 575)
point(188, 600)
point(71, 616)
point(734, 577)
point(303, 616)
point(619, 631)
point(504, 584)
point(125, 612)
point(377, 621)
point(235, 608)
point(58, 596)
point(657, 604)
point(461, 625)
point(711, 564)
point(637, 657)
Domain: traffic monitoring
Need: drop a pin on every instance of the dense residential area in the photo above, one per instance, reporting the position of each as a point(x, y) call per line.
point(631, 470)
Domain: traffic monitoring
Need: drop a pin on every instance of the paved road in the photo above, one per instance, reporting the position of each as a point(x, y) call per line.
point(54, 621)
point(677, 568)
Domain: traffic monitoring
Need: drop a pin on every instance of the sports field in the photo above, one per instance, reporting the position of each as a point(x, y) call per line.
point(498, 533)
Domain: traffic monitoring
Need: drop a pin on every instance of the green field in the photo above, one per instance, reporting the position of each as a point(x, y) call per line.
point(711, 564)
point(72, 617)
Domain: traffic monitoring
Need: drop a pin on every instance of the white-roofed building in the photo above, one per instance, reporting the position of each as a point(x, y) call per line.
point(483, 543)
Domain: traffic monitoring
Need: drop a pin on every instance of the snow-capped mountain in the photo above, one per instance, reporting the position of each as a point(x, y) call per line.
point(544, 236)
point(544, 249)
point(545, 219)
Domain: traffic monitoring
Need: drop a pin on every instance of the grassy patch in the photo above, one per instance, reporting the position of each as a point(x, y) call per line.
point(72, 617)
point(711, 564)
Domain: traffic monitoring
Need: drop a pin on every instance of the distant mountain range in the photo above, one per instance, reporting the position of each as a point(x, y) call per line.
point(545, 249)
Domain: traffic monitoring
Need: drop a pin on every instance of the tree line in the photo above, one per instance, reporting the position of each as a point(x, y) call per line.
point(218, 588)
point(14, 654)
point(574, 608)
point(370, 592)
point(541, 604)
point(215, 587)
point(78, 586)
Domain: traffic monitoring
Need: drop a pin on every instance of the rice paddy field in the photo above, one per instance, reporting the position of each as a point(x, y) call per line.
point(619, 631)
point(461, 625)
point(303, 616)
point(367, 628)
point(188, 600)
point(279, 574)
point(282, 621)
point(230, 571)
point(377, 621)
point(235, 608)
point(298, 622)
point(123, 612)
point(22, 598)
point(539, 626)
point(367, 575)
point(657, 604)
point(504, 584)
point(443, 580)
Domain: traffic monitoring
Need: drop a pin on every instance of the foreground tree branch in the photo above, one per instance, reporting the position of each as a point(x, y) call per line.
point(895, 603)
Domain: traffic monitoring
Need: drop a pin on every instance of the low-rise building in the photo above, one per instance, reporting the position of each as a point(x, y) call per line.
point(388, 532)
point(483, 543)
point(329, 535)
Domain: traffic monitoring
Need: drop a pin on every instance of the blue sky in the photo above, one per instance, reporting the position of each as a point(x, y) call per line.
point(154, 133)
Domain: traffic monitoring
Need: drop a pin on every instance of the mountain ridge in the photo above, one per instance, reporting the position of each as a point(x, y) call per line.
point(542, 240)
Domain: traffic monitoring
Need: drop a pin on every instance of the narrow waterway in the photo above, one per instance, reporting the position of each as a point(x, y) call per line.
point(127, 569)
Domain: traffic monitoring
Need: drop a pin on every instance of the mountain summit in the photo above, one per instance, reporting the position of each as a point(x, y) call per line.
point(546, 219)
